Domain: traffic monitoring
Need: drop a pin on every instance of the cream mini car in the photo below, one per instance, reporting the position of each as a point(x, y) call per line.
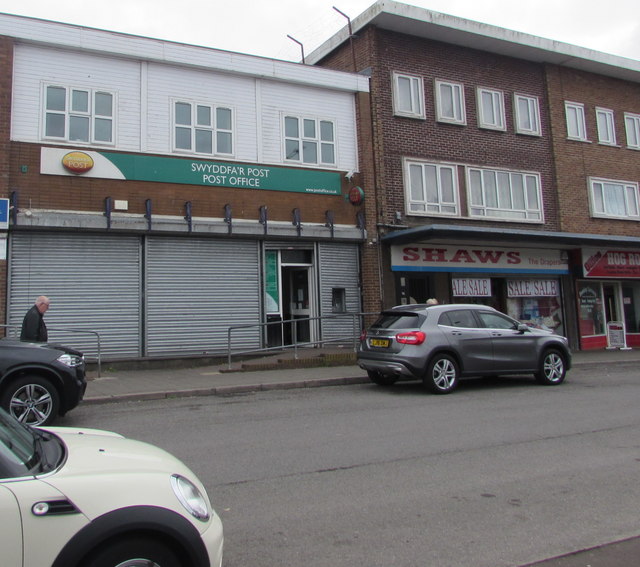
point(89, 498)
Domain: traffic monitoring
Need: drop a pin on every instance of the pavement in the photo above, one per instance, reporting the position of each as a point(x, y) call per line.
point(305, 369)
point(312, 368)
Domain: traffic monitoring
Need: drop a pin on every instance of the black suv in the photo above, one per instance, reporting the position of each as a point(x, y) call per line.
point(40, 381)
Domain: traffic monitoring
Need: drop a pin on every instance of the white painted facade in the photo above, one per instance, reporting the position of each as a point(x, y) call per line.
point(145, 91)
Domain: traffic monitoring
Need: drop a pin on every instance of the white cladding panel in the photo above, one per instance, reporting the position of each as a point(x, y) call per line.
point(279, 99)
point(35, 66)
point(167, 83)
point(259, 104)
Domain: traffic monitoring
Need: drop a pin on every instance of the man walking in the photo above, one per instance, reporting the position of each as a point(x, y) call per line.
point(33, 326)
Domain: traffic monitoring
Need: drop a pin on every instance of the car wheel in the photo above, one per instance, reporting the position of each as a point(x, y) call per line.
point(552, 368)
point(134, 552)
point(381, 379)
point(442, 374)
point(32, 400)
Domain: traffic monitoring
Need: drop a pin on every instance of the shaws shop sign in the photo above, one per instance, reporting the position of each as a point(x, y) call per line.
point(421, 258)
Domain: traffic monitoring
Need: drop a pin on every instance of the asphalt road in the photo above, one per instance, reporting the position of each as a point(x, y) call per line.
point(501, 473)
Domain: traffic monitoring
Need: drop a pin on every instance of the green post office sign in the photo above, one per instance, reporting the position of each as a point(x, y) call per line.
point(221, 174)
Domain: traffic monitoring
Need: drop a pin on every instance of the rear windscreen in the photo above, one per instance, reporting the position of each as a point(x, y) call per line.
point(398, 320)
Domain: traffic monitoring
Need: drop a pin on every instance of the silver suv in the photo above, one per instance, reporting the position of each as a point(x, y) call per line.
point(439, 344)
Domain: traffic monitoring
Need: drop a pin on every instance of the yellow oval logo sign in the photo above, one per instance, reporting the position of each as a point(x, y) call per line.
point(77, 162)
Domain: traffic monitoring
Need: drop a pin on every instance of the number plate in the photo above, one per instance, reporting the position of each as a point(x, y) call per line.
point(383, 343)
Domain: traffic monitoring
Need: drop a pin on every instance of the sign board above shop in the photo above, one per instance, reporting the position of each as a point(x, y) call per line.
point(600, 263)
point(138, 167)
point(479, 259)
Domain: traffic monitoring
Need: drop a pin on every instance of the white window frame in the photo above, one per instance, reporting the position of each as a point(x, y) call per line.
point(606, 126)
point(527, 122)
point(416, 96)
point(499, 193)
point(457, 113)
point(438, 204)
point(632, 129)
point(495, 118)
point(576, 124)
point(604, 202)
point(69, 113)
point(194, 127)
point(315, 139)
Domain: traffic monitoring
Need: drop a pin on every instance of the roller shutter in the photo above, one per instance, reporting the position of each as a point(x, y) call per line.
point(195, 289)
point(339, 268)
point(93, 282)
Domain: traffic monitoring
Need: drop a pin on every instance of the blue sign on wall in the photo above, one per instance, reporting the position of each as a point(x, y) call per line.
point(4, 214)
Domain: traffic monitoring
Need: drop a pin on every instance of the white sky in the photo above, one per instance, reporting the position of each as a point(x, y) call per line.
point(260, 27)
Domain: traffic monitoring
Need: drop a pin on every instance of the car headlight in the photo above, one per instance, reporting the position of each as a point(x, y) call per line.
point(190, 497)
point(70, 360)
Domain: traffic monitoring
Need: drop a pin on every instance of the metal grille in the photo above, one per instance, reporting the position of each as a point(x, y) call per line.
point(339, 267)
point(195, 289)
point(93, 282)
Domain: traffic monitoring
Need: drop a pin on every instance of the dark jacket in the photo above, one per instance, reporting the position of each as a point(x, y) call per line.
point(33, 327)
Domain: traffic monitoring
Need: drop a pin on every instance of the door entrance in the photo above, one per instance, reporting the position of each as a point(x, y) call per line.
point(297, 306)
point(611, 303)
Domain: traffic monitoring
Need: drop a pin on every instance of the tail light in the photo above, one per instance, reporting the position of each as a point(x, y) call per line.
point(411, 338)
point(363, 334)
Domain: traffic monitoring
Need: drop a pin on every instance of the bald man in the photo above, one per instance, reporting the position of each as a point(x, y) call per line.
point(33, 328)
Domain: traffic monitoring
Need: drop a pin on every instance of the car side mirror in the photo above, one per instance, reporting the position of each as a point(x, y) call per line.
point(522, 328)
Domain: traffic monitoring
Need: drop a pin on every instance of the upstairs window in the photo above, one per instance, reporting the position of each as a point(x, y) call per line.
point(490, 109)
point(614, 199)
point(576, 127)
point(527, 115)
point(78, 115)
point(431, 189)
point(606, 126)
point(309, 140)
point(408, 96)
point(632, 127)
point(202, 128)
point(507, 195)
point(450, 105)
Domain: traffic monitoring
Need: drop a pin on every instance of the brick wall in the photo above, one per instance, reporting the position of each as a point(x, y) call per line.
point(77, 193)
point(576, 161)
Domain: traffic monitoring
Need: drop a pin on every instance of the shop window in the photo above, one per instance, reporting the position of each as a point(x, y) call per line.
point(527, 115)
point(309, 140)
point(431, 189)
point(591, 314)
point(576, 125)
point(631, 306)
point(632, 128)
point(491, 109)
point(450, 105)
point(408, 96)
point(616, 199)
point(202, 128)
point(506, 195)
point(606, 126)
point(79, 115)
point(536, 302)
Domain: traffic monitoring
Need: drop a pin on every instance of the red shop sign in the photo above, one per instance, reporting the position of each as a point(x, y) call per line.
point(611, 263)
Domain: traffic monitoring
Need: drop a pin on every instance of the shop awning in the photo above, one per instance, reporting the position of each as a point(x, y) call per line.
point(494, 235)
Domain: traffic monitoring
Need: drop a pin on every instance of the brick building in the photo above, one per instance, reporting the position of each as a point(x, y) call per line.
point(484, 189)
point(161, 193)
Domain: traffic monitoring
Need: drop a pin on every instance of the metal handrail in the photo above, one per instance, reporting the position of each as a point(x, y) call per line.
point(67, 330)
point(357, 319)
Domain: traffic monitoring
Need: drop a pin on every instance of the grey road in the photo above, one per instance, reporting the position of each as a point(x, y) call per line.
point(501, 473)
